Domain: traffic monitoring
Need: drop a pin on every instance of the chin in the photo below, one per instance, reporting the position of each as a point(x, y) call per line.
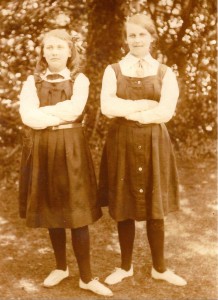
point(140, 52)
point(55, 67)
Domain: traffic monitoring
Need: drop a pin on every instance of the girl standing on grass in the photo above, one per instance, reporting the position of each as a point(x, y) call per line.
point(138, 174)
point(57, 180)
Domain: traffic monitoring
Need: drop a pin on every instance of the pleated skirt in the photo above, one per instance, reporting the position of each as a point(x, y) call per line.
point(57, 180)
point(138, 174)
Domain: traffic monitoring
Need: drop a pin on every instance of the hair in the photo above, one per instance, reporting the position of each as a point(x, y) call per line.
point(145, 22)
point(73, 62)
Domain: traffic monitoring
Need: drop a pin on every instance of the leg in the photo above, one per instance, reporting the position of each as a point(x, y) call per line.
point(126, 232)
point(155, 233)
point(58, 241)
point(81, 247)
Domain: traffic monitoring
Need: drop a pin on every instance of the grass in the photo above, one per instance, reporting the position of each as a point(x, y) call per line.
point(191, 248)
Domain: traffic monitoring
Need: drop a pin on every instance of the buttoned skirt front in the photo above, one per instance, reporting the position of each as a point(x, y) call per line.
point(138, 174)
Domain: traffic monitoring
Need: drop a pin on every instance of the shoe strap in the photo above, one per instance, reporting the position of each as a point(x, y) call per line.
point(95, 278)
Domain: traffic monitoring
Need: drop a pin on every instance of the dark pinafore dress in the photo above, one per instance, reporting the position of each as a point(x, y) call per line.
point(57, 180)
point(138, 176)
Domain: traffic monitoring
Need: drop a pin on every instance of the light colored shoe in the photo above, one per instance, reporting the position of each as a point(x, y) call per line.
point(118, 275)
point(168, 276)
point(55, 277)
point(96, 287)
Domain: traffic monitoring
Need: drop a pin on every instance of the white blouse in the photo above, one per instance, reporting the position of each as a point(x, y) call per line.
point(144, 111)
point(38, 117)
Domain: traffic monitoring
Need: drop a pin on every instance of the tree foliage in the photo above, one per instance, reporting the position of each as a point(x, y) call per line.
point(187, 43)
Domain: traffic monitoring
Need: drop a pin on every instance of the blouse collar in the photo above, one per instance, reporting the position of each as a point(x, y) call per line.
point(131, 60)
point(65, 73)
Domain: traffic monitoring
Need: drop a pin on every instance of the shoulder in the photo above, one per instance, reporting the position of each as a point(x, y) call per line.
point(168, 76)
point(111, 69)
point(82, 79)
point(165, 71)
point(162, 69)
point(169, 72)
point(30, 78)
point(29, 82)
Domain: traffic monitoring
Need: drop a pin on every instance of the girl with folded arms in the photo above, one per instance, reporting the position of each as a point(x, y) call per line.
point(138, 174)
point(57, 180)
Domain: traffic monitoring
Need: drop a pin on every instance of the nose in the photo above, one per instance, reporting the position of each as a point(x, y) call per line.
point(138, 39)
point(54, 51)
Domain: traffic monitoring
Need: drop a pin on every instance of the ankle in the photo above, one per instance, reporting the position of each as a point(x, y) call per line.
point(126, 267)
point(61, 268)
point(160, 269)
point(86, 279)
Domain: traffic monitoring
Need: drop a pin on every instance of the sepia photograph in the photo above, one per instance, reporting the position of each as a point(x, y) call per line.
point(108, 150)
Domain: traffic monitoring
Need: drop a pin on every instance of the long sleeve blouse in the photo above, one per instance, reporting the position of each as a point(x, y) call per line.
point(144, 111)
point(38, 117)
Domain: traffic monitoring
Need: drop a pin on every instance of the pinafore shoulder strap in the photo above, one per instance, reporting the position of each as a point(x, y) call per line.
point(116, 68)
point(161, 71)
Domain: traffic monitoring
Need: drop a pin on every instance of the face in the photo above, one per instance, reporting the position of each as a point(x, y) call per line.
point(56, 52)
point(138, 40)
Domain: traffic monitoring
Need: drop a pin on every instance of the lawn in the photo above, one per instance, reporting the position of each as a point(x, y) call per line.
point(26, 256)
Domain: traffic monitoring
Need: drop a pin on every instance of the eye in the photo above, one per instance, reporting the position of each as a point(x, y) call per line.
point(143, 35)
point(49, 47)
point(132, 35)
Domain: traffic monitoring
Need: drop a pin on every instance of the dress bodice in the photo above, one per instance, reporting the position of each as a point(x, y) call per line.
point(50, 93)
point(135, 88)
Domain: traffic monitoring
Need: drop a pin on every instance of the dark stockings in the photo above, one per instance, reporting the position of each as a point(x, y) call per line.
point(58, 241)
point(80, 243)
point(81, 247)
point(155, 233)
point(126, 233)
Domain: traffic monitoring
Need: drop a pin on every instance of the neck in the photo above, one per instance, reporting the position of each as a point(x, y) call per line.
point(56, 70)
point(141, 55)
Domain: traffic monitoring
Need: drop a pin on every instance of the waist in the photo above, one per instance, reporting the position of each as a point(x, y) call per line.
point(131, 123)
point(66, 126)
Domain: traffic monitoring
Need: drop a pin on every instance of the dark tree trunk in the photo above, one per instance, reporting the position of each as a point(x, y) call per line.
point(104, 42)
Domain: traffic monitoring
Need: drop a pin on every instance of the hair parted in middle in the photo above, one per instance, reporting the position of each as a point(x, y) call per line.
point(145, 22)
point(73, 62)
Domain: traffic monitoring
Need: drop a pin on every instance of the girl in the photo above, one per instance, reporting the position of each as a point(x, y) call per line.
point(138, 175)
point(57, 180)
